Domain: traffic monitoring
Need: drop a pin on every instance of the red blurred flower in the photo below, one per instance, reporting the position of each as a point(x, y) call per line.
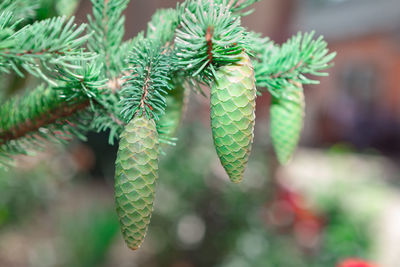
point(355, 263)
point(290, 211)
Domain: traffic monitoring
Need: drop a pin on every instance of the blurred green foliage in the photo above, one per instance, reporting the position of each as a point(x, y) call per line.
point(22, 192)
point(51, 8)
point(200, 218)
point(88, 236)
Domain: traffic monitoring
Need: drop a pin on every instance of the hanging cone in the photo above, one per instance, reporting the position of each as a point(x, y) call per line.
point(287, 114)
point(233, 114)
point(136, 172)
point(176, 104)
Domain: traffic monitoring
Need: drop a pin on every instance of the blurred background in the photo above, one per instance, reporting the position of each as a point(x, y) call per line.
point(339, 198)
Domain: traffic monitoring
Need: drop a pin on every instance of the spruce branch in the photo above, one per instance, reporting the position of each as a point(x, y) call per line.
point(107, 24)
point(46, 105)
point(22, 9)
point(110, 116)
point(299, 56)
point(258, 45)
point(162, 25)
point(33, 120)
point(209, 37)
point(136, 89)
point(39, 47)
point(237, 6)
point(7, 28)
point(137, 96)
point(145, 88)
point(124, 79)
point(58, 113)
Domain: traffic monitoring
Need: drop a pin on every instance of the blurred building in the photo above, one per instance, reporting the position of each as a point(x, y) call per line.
point(359, 102)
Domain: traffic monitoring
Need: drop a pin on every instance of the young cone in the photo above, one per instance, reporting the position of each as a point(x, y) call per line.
point(136, 172)
point(233, 114)
point(287, 115)
point(176, 104)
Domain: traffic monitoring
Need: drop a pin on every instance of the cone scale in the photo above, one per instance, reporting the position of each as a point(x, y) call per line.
point(233, 115)
point(286, 122)
point(136, 172)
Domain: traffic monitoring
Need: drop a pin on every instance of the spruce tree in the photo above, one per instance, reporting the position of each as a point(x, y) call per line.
point(87, 78)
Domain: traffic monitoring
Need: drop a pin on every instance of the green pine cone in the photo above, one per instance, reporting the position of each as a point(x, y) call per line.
point(233, 114)
point(287, 115)
point(176, 102)
point(136, 172)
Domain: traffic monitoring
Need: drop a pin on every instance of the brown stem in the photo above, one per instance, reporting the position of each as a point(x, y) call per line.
point(61, 112)
point(209, 35)
point(32, 52)
point(279, 74)
point(145, 90)
point(53, 116)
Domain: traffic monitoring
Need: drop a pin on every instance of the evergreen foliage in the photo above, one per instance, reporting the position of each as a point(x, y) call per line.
point(278, 66)
point(145, 88)
point(49, 113)
point(107, 23)
point(192, 41)
point(85, 77)
point(162, 25)
point(41, 47)
point(210, 36)
point(21, 9)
